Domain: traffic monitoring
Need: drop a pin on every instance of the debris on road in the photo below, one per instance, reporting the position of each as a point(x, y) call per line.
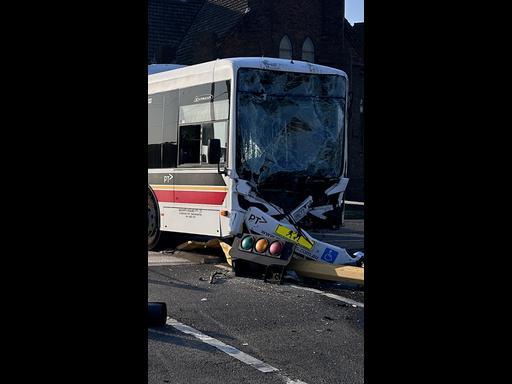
point(226, 248)
point(193, 245)
point(204, 299)
point(292, 275)
point(216, 276)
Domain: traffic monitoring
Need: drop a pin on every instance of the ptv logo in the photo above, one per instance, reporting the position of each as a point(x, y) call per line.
point(257, 219)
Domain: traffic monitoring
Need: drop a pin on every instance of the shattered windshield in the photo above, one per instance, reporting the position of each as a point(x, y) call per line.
point(289, 123)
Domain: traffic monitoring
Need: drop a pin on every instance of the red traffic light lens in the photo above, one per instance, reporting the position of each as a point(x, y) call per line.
point(276, 248)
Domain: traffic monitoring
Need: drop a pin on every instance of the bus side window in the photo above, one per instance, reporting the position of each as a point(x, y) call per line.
point(170, 129)
point(155, 132)
point(169, 155)
point(189, 145)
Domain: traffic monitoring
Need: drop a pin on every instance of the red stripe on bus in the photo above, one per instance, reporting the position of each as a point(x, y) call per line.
point(191, 197)
point(164, 196)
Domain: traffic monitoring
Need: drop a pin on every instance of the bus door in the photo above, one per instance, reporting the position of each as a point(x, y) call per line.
point(199, 190)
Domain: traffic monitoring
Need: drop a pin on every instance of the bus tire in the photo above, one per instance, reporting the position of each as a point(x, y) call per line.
point(154, 233)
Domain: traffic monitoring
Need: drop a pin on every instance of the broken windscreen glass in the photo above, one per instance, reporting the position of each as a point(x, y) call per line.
point(289, 123)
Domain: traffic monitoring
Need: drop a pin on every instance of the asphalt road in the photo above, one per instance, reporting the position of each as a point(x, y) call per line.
point(350, 236)
point(308, 337)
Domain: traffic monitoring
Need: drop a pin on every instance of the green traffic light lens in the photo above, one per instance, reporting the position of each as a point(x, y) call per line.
point(247, 243)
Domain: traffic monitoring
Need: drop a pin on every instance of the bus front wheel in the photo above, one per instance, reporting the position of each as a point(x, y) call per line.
point(153, 222)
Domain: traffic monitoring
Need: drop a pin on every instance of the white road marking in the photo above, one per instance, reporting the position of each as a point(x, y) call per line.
point(320, 234)
point(287, 380)
point(332, 296)
point(156, 259)
point(231, 351)
point(354, 202)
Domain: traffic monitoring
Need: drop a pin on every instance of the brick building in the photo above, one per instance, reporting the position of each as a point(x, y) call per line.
point(194, 31)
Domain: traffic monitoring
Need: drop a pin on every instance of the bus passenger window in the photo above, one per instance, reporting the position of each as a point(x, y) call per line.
point(169, 155)
point(189, 145)
point(155, 115)
point(154, 156)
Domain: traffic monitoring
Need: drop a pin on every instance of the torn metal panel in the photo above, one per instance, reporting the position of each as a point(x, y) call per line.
point(319, 211)
point(337, 188)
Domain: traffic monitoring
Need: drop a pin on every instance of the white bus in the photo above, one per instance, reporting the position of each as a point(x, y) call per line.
point(248, 146)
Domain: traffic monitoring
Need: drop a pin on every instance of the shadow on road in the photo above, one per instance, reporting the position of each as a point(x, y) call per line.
point(176, 285)
point(172, 282)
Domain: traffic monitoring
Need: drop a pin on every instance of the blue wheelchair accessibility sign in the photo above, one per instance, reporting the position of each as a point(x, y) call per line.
point(329, 255)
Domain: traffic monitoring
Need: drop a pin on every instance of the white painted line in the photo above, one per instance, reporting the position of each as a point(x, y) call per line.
point(158, 260)
point(332, 296)
point(232, 351)
point(287, 380)
point(338, 234)
point(354, 202)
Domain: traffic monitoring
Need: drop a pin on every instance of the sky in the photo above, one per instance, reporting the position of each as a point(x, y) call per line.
point(354, 11)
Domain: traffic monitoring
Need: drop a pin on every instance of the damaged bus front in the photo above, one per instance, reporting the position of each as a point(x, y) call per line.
point(283, 160)
point(291, 157)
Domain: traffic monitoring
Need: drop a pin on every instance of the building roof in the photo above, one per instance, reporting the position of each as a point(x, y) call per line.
point(169, 21)
point(181, 24)
point(217, 17)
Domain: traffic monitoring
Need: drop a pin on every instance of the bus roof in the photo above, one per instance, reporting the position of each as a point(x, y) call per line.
point(244, 62)
point(157, 68)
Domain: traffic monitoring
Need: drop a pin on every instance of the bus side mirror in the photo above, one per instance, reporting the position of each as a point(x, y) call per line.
point(214, 151)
